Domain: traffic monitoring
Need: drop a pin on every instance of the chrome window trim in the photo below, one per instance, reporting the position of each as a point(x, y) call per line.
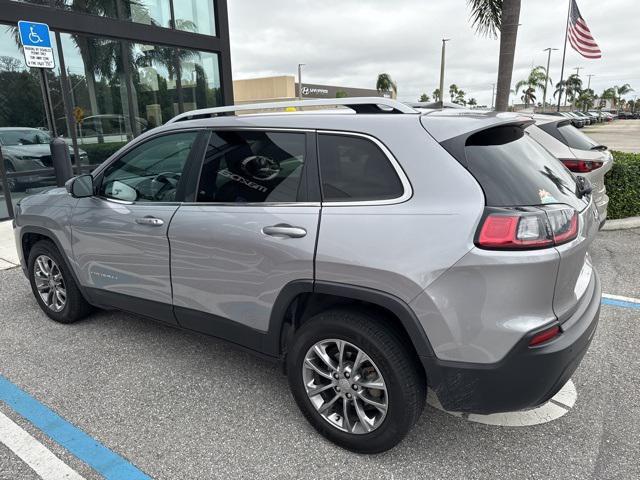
point(252, 204)
point(404, 180)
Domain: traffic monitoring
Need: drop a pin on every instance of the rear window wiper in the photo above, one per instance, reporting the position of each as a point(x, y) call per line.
point(600, 148)
point(583, 187)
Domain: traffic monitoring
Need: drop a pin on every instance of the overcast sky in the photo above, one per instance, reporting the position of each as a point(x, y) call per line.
point(348, 42)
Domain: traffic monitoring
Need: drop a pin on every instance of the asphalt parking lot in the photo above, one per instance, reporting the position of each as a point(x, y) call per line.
point(619, 135)
point(181, 405)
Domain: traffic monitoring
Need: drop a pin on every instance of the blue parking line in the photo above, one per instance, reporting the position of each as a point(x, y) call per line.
point(620, 303)
point(109, 464)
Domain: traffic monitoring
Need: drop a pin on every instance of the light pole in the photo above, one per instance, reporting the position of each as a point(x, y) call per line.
point(589, 82)
point(300, 65)
point(578, 71)
point(546, 81)
point(493, 95)
point(444, 44)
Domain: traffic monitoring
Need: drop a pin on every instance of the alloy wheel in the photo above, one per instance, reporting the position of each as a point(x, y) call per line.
point(345, 386)
point(50, 283)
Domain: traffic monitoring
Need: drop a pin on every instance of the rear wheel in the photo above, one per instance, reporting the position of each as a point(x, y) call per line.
point(353, 379)
point(53, 285)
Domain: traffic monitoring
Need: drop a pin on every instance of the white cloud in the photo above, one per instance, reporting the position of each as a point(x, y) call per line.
point(349, 42)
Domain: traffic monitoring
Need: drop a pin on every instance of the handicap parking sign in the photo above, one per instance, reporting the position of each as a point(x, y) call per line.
point(36, 44)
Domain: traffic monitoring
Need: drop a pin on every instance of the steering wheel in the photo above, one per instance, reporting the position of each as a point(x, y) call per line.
point(168, 180)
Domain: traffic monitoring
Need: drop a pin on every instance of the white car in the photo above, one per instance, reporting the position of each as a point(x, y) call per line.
point(579, 153)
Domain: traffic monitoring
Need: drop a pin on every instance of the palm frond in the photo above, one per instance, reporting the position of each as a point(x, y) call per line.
point(486, 16)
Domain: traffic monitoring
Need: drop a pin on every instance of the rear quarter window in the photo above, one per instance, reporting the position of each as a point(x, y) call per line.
point(354, 169)
point(514, 170)
point(570, 136)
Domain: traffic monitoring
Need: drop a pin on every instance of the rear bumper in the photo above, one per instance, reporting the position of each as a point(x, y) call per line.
point(525, 378)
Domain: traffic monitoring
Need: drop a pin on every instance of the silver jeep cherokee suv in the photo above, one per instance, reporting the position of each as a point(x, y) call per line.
point(374, 253)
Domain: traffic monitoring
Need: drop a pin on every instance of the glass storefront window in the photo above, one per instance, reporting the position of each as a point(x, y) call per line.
point(24, 135)
point(118, 90)
point(195, 16)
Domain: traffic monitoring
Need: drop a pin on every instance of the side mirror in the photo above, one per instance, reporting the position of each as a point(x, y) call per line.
point(80, 186)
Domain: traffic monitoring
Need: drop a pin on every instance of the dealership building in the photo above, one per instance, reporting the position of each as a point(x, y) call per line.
point(285, 87)
point(121, 68)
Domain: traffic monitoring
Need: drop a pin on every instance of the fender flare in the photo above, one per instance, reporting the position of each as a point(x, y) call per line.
point(400, 309)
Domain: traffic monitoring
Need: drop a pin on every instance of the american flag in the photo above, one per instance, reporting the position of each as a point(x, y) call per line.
point(580, 36)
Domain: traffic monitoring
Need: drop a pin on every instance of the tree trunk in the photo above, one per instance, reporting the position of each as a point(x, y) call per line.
point(508, 36)
point(90, 80)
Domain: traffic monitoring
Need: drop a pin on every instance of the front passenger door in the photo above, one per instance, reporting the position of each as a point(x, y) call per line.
point(251, 231)
point(120, 240)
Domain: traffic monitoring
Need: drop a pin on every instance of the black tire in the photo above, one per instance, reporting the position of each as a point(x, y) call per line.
point(75, 307)
point(404, 378)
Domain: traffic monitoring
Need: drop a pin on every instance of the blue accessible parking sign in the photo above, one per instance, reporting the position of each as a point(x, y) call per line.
point(36, 44)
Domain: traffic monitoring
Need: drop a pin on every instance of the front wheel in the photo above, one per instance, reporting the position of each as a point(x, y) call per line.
point(354, 380)
point(53, 284)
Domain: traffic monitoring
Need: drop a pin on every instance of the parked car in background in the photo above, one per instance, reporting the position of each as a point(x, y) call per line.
point(580, 154)
point(596, 117)
point(587, 118)
point(374, 253)
point(27, 150)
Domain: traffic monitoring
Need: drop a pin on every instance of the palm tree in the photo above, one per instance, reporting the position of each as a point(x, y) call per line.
point(490, 17)
point(436, 95)
point(615, 93)
point(386, 85)
point(536, 79)
point(528, 96)
point(472, 102)
point(460, 100)
point(586, 98)
point(424, 98)
point(453, 91)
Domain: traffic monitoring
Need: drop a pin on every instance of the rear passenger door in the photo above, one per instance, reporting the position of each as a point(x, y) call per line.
point(251, 230)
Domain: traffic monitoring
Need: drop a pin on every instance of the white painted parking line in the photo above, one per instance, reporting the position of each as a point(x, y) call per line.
point(558, 406)
point(33, 453)
point(621, 298)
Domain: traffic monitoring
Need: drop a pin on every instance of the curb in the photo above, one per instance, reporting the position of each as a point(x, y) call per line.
point(622, 224)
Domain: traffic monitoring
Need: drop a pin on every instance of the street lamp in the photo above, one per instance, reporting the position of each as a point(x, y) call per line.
point(444, 43)
point(546, 81)
point(300, 65)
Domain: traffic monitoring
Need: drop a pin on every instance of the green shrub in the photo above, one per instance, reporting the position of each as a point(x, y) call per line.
point(623, 186)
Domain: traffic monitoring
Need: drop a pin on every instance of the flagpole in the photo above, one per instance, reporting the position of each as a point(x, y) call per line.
point(564, 55)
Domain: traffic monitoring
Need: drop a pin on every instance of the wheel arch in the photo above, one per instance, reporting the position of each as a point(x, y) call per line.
point(30, 235)
point(299, 301)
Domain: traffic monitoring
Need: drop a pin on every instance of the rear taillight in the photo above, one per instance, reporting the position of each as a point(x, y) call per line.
point(544, 336)
point(581, 166)
point(527, 228)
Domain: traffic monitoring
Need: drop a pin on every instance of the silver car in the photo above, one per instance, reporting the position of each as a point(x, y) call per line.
point(579, 153)
point(374, 253)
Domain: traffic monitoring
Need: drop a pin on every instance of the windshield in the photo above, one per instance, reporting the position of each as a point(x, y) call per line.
point(514, 170)
point(574, 138)
point(24, 137)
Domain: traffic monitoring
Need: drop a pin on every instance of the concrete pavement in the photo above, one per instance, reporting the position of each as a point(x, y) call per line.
point(622, 135)
point(181, 405)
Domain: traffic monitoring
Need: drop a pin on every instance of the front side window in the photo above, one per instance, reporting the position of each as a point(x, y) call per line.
point(355, 169)
point(151, 171)
point(252, 167)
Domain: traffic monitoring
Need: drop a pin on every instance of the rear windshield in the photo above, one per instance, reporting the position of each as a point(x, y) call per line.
point(513, 170)
point(569, 135)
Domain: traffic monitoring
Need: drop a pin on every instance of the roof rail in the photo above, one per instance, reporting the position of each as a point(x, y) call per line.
point(434, 105)
point(358, 105)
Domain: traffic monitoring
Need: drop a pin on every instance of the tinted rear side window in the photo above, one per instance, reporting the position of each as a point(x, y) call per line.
point(574, 138)
point(513, 170)
point(355, 169)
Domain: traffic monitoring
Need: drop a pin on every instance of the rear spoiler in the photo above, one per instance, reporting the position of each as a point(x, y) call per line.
point(456, 145)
